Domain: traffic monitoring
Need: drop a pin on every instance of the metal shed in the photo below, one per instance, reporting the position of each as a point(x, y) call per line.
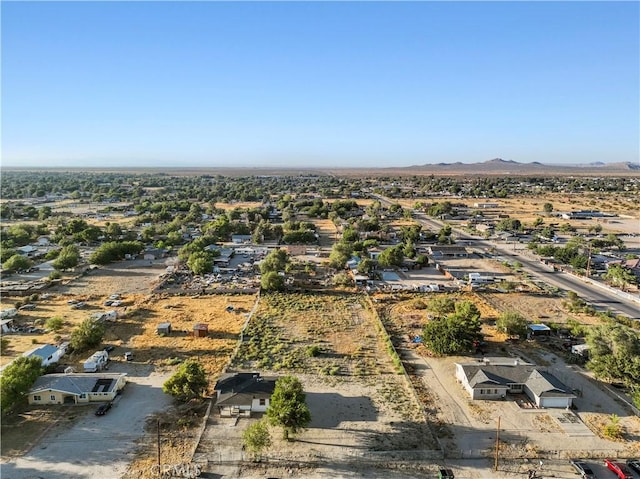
point(164, 329)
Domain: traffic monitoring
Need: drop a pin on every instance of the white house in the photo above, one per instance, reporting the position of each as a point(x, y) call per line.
point(241, 394)
point(76, 388)
point(494, 381)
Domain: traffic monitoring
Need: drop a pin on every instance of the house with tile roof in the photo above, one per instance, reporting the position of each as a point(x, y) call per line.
point(491, 381)
point(76, 388)
point(241, 394)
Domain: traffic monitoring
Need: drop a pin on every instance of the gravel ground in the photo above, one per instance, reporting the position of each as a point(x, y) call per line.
point(96, 446)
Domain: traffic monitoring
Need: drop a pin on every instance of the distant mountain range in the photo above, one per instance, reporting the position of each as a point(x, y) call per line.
point(500, 166)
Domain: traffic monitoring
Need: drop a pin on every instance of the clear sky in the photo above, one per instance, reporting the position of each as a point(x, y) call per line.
point(318, 84)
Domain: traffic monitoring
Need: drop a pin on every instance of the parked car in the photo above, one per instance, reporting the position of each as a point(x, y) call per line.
point(79, 305)
point(114, 296)
point(634, 464)
point(108, 302)
point(619, 468)
point(109, 348)
point(128, 356)
point(103, 408)
point(117, 303)
point(27, 307)
point(445, 474)
point(583, 469)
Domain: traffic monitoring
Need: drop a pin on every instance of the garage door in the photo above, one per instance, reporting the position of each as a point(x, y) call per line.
point(555, 402)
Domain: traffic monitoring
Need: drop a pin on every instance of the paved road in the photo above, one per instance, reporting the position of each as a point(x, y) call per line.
point(599, 298)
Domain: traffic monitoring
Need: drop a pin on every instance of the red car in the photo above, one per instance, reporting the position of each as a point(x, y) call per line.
point(619, 468)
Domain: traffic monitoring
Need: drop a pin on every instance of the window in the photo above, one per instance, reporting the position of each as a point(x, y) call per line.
point(83, 395)
point(482, 391)
point(263, 402)
point(37, 398)
point(53, 397)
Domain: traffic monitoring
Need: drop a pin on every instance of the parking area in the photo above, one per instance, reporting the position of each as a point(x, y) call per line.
point(96, 446)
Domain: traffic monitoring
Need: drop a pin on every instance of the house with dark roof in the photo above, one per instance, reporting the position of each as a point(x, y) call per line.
point(76, 388)
point(240, 394)
point(494, 381)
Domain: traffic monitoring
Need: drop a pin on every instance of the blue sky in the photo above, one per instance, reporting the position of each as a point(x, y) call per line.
point(318, 84)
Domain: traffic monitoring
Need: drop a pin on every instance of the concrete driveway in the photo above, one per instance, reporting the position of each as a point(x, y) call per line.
point(96, 446)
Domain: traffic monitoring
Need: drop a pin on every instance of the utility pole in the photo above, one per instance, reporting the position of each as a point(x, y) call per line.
point(495, 466)
point(158, 444)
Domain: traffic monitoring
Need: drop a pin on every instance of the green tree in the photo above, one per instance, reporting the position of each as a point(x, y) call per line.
point(17, 263)
point(87, 335)
point(288, 408)
point(340, 254)
point(189, 381)
point(256, 438)
point(200, 262)
point(365, 266)
point(441, 305)
point(275, 261)
point(68, 258)
point(614, 351)
point(54, 324)
point(272, 281)
point(392, 256)
point(620, 276)
point(16, 380)
point(547, 208)
point(455, 333)
point(512, 324)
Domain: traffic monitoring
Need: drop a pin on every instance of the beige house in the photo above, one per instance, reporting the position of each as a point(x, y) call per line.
point(76, 388)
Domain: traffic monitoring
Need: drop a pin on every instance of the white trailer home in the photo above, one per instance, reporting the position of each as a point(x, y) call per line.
point(96, 362)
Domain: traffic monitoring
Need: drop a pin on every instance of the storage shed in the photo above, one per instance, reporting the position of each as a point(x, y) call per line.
point(164, 329)
point(200, 330)
point(534, 330)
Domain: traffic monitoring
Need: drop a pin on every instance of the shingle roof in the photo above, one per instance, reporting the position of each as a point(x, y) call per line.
point(75, 384)
point(540, 382)
point(241, 388)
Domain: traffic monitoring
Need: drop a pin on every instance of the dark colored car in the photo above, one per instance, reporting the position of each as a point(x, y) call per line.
point(634, 464)
point(109, 348)
point(583, 469)
point(445, 474)
point(103, 408)
point(619, 468)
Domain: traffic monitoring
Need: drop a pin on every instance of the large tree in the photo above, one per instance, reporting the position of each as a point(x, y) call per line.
point(455, 333)
point(88, 334)
point(512, 323)
point(614, 350)
point(275, 261)
point(16, 380)
point(68, 258)
point(392, 256)
point(189, 382)
point(17, 262)
point(288, 407)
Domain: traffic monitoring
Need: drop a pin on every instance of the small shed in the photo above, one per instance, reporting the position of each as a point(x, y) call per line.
point(534, 330)
point(200, 330)
point(164, 329)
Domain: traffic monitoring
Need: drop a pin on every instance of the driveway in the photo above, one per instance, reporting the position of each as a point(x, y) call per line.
point(96, 446)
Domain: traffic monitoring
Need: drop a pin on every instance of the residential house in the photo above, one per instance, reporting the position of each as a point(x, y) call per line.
point(239, 239)
point(76, 388)
point(448, 251)
point(494, 381)
point(240, 394)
